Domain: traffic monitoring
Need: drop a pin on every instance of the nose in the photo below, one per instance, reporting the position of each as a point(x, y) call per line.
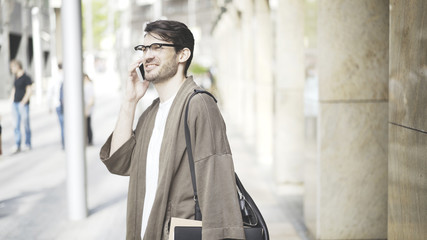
point(148, 54)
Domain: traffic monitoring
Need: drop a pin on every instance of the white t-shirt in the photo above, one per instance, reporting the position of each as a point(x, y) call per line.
point(153, 154)
point(88, 96)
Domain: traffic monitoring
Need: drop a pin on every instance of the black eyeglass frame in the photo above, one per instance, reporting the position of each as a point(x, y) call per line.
point(141, 47)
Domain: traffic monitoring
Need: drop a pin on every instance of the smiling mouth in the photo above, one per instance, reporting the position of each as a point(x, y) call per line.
point(149, 67)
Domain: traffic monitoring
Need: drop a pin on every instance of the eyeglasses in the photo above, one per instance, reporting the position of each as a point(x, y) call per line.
point(153, 47)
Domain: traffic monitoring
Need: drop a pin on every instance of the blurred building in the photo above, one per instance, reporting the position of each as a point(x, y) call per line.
point(18, 38)
point(333, 94)
point(330, 93)
point(198, 15)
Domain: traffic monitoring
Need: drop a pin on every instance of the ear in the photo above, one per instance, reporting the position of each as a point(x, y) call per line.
point(184, 55)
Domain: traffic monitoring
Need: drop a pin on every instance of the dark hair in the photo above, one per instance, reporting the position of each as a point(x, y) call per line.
point(175, 32)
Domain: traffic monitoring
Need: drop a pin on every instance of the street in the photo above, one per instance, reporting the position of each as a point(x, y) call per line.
point(33, 195)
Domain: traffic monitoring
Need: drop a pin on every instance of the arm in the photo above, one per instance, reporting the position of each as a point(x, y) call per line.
point(26, 98)
point(214, 172)
point(12, 94)
point(89, 104)
point(135, 90)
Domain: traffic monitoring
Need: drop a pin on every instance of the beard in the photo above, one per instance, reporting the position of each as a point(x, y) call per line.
point(163, 73)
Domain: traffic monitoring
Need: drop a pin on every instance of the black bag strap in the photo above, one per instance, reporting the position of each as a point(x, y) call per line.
point(198, 213)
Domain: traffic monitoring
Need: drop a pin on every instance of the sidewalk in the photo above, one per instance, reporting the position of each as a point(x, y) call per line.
point(33, 196)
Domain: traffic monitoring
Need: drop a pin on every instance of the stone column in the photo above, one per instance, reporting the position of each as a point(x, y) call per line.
point(37, 53)
point(5, 81)
point(228, 61)
point(289, 88)
point(263, 83)
point(234, 49)
point(58, 35)
point(248, 71)
point(353, 115)
point(73, 100)
point(407, 186)
point(23, 53)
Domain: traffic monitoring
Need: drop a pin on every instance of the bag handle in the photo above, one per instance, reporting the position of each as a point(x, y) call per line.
point(198, 213)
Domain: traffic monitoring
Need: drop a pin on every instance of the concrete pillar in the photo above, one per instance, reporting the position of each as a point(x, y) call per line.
point(311, 101)
point(229, 65)
point(289, 90)
point(248, 74)
point(73, 105)
point(58, 35)
point(191, 5)
point(353, 116)
point(53, 41)
point(89, 57)
point(407, 185)
point(23, 54)
point(263, 83)
point(88, 26)
point(157, 7)
point(6, 80)
point(37, 56)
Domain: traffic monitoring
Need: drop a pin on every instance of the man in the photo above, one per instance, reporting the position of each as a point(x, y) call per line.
point(1, 151)
point(89, 101)
point(55, 97)
point(154, 154)
point(21, 93)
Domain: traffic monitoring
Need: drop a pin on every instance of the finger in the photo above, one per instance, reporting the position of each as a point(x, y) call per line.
point(134, 65)
point(145, 83)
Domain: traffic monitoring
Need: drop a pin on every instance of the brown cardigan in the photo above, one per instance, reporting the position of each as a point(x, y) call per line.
point(174, 197)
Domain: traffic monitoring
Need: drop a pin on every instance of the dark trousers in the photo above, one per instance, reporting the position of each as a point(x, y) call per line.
point(89, 130)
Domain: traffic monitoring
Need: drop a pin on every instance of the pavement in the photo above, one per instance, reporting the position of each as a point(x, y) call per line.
point(33, 194)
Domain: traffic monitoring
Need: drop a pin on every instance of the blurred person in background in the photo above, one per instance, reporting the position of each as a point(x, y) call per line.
point(89, 100)
point(1, 151)
point(21, 93)
point(55, 97)
point(154, 154)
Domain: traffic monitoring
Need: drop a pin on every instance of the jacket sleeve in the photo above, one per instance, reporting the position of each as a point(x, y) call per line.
point(214, 168)
point(119, 163)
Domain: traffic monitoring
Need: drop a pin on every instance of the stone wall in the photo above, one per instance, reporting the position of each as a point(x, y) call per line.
point(407, 185)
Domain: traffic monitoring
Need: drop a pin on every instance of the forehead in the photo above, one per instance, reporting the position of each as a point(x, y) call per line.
point(150, 38)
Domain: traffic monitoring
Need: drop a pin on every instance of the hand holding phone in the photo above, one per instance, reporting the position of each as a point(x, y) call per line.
point(140, 72)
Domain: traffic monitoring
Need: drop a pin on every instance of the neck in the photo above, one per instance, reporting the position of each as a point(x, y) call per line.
point(19, 73)
point(168, 88)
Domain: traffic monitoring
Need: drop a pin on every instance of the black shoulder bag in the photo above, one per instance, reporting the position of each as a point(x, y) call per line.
point(254, 225)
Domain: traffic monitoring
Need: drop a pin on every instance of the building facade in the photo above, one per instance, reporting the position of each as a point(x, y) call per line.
point(357, 142)
point(330, 93)
point(23, 40)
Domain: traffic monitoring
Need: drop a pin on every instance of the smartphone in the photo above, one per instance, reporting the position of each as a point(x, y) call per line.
point(140, 72)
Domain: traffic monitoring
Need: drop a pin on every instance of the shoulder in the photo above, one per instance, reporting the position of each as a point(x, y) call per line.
point(27, 79)
point(203, 107)
point(202, 102)
point(203, 98)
